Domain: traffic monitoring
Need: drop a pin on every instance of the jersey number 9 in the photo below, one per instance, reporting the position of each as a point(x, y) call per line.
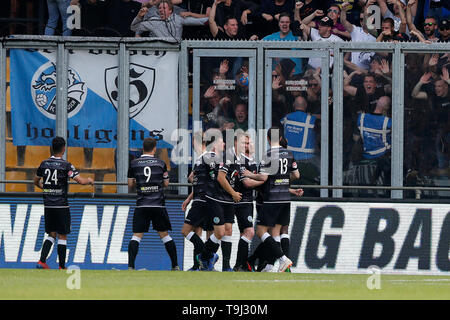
point(147, 173)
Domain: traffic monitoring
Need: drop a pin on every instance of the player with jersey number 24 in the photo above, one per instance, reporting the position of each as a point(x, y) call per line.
point(52, 177)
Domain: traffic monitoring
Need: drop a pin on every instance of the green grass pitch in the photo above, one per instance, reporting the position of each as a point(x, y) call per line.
point(178, 285)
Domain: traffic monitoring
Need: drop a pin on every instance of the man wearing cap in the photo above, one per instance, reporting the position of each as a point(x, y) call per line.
point(444, 30)
point(321, 34)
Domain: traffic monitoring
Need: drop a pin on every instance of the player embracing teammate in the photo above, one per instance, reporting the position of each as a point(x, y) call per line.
point(228, 179)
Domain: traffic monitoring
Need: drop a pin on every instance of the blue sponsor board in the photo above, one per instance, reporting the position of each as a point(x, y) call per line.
point(101, 230)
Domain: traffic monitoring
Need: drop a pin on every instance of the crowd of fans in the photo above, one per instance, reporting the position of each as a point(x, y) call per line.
point(296, 83)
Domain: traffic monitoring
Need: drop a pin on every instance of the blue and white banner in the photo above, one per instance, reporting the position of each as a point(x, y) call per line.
point(93, 97)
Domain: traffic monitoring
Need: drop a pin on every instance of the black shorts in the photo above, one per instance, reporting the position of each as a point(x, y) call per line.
point(157, 215)
point(57, 220)
point(270, 214)
point(244, 215)
point(198, 215)
point(220, 212)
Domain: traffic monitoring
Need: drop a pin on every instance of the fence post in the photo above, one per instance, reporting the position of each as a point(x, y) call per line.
point(398, 77)
point(338, 120)
point(61, 94)
point(2, 115)
point(123, 118)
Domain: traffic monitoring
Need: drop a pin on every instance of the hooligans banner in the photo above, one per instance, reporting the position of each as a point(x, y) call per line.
point(93, 97)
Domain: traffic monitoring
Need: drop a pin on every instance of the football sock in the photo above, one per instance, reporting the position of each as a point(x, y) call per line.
point(46, 248)
point(211, 247)
point(171, 250)
point(226, 251)
point(62, 248)
point(273, 250)
point(285, 244)
point(242, 253)
point(133, 248)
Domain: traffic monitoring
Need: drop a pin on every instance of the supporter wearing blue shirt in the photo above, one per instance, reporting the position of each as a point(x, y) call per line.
point(285, 34)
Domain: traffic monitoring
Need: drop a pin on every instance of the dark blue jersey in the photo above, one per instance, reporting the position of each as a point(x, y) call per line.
point(249, 164)
point(201, 177)
point(149, 173)
point(55, 173)
point(210, 162)
point(278, 165)
point(231, 167)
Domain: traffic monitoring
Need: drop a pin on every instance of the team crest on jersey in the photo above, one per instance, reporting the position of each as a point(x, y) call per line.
point(43, 91)
point(142, 83)
point(294, 165)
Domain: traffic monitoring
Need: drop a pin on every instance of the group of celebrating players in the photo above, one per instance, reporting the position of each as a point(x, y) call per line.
point(224, 180)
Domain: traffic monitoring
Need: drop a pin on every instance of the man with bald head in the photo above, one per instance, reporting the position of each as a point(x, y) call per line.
point(300, 131)
point(375, 130)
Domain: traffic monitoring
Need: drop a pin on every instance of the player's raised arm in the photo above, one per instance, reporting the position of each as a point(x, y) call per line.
point(81, 180)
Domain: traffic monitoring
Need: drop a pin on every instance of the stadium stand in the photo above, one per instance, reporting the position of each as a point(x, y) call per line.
point(109, 177)
point(16, 187)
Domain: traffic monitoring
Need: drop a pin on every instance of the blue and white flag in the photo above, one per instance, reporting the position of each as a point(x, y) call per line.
point(93, 97)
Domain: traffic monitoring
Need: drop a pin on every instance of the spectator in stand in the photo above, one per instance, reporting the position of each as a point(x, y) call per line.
point(313, 92)
point(321, 34)
point(240, 119)
point(444, 30)
point(436, 8)
point(285, 34)
point(366, 94)
point(57, 8)
point(167, 25)
point(119, 16)
point(375, 131)
point(430, 27)
point(333, 13)
point(269, 14)
point(153, 12)
point(389, 34)
point(302, 132)
point(230, 28)
point(398, 16)
point(93, 18)
point(307, 8)
point(358, 34)
point(238, 9)
point(354, 9)
point(439, 94)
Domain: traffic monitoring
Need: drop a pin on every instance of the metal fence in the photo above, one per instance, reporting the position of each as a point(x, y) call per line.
point(260, 55)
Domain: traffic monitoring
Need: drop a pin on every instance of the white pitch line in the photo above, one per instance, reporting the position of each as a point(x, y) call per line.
point(297, 280)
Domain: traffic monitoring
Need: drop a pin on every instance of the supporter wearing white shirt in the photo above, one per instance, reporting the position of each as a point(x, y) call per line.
point(323, 34)
point(358, 34)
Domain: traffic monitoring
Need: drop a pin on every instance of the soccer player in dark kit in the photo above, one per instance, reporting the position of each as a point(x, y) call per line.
point(150, 176)
point(197, 217)
point(51, 177)
point(220, 197)
point(276, 169)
